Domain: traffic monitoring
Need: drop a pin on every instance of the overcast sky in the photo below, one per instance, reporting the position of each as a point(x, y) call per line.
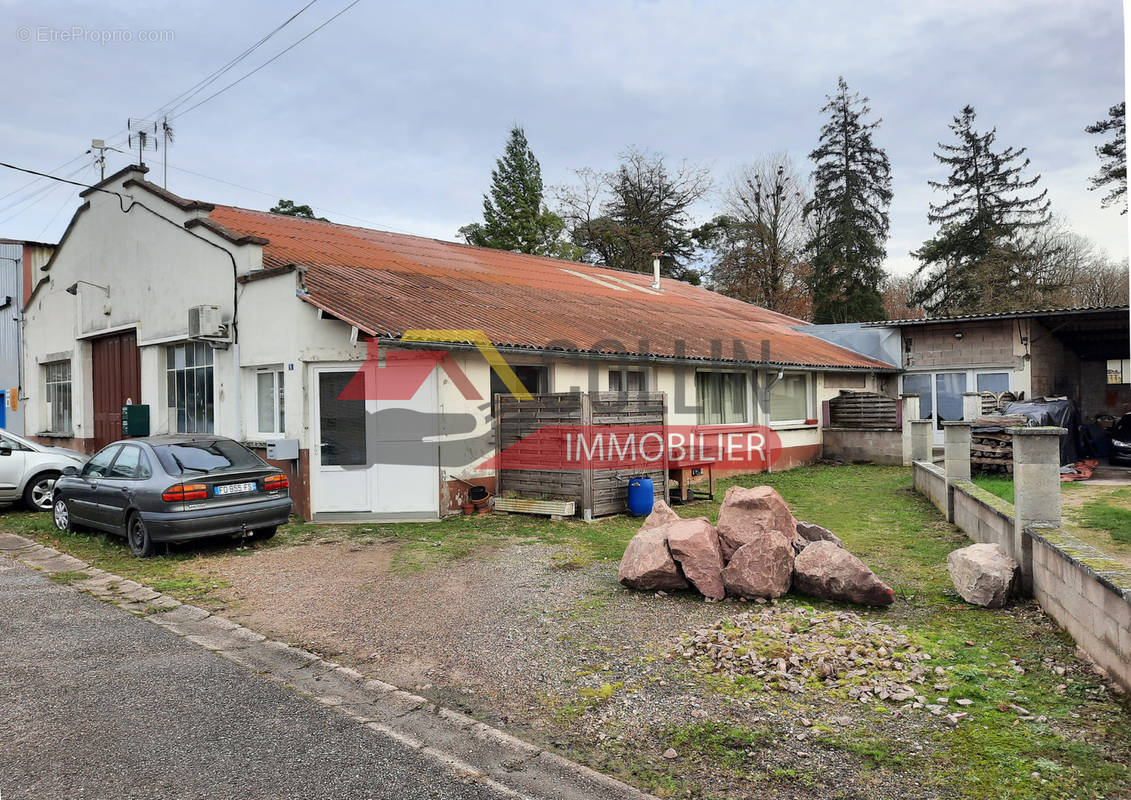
point(394, 113)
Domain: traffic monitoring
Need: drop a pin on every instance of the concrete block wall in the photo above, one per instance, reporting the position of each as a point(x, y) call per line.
point(931, 483)
point(872, 445)
point(990, 342)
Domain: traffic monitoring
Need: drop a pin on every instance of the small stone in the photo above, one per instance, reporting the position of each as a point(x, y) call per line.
point(1035, 776)
point(670, 753)
point(942, 701)
point(964, 701)
point(808, 723)
point(951, 720)
point(1020, 710)
point(661, 593)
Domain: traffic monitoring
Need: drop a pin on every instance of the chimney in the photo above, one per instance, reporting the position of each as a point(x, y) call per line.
point(656, 270)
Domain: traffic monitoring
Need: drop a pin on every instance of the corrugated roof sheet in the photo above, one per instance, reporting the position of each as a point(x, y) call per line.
point(387, 283)
point(1037, 312)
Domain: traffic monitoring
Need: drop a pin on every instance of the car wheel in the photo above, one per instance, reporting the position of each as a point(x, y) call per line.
point(138, 537)
point(62, 515)
point(37, 493)
point(266, 533)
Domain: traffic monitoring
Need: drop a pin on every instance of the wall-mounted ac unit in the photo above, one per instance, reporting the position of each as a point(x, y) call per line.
point(204, 322)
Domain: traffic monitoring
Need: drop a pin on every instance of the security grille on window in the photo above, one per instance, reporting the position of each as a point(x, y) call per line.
point(189, 387)
point(58, 395)
point(627, 380)
point(721, 397)
point(789, 398)
point(269, 401)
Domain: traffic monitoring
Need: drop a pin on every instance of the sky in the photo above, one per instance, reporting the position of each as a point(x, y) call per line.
point(393, 114)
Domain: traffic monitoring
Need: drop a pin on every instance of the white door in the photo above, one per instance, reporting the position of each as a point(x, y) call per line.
point(377, 455)
point(940, 393)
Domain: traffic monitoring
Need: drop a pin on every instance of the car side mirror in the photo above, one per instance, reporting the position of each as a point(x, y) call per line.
point(5, 450)
point(70, 471)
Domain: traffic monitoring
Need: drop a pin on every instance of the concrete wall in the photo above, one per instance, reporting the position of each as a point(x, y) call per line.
point(1086, 592)
point(871, 445)
point(1055, 368)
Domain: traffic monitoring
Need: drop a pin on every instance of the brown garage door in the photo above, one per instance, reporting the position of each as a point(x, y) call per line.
point(117, 376)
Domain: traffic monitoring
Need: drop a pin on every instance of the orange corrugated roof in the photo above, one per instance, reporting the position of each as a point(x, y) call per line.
point(387, 283)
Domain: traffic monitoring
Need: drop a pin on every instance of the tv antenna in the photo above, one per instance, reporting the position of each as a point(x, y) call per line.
point(143, 136)
point(167, 138)
point(101, 147)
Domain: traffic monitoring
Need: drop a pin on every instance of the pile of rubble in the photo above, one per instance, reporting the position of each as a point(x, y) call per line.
point(789, 648)
point(758, 550)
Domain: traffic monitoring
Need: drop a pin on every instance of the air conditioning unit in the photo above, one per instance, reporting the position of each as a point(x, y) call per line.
point(204, 322)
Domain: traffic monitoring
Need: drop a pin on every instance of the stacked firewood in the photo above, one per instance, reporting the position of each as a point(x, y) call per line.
point(991, 449)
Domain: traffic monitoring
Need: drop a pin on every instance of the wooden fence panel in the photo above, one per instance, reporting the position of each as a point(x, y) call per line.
point(863, 410)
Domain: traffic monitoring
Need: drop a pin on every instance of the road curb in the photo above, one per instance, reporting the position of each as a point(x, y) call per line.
point(459, 743)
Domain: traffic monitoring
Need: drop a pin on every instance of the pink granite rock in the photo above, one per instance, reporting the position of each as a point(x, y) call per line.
point(695, 546)
point(647, 564)
point(661, 514)
point(832, 573)
point(745, 513)
point(763, 567)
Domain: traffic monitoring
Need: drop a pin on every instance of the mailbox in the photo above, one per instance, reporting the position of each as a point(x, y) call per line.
point(282, 449)
point(135, 420)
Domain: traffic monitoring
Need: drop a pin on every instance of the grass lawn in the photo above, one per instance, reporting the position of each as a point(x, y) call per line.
point(619, 719)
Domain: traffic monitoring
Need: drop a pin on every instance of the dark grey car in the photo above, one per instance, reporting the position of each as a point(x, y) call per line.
point(173, 488)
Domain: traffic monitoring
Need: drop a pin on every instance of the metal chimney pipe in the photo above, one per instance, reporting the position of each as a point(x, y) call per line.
point(656, 270)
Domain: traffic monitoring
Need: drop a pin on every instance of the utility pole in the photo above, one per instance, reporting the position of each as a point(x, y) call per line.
point(101, 147)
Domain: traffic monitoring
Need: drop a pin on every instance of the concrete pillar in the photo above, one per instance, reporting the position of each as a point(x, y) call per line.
point(921, 439)
point(910, 413)
point(1036, 490)
point(971, 406)
point(956, 459)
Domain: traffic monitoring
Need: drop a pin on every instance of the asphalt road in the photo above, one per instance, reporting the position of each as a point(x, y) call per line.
point(97, 703)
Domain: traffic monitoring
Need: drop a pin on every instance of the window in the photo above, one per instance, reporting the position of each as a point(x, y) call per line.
point(996, 382)
point(99, 463)
point(536, 379)
point(131, 463)
point(1118, 371)
point(9, 443)
point(189, 376)
point(789, 398)
point(949, 387)
point(721, 397)
point(58, 376)
point(269, 401)
point(206, 456)
point(920, 384)
point(627, 380)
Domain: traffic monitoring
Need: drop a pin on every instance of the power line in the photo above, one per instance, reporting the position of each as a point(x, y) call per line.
point(268, 61)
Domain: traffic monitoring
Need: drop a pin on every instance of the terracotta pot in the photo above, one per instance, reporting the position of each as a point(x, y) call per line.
point(468, 509)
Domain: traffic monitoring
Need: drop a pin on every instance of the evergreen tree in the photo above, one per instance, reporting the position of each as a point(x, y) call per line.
point(848, 213)
point(514, 216)
point(1113, 170)
point(979, 259)
point(289, 209)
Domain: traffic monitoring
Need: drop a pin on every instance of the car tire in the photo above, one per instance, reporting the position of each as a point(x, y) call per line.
point(39, 490)
point(61, 514)
point(137, 534)
point(266, 533)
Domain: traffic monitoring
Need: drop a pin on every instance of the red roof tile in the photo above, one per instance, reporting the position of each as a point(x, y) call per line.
point(387, 283)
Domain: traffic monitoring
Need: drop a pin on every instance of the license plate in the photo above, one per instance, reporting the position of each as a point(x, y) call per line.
point(234, 488)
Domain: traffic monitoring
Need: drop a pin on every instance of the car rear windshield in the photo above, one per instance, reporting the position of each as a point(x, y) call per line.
point(209, 455)
point(1122, 429)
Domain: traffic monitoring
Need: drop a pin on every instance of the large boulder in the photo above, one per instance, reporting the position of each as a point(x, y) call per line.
point(695, 546)
point(832, 573)
point(982, 574)
point(647, 564)
point(763, 567)
point(815, 533)
point(661, 514)
point(746, 513)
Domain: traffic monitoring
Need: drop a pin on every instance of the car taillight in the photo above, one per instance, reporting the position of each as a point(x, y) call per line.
point(185, 491)
point(273, 482)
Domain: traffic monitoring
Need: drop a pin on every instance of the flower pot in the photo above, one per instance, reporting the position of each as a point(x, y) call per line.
point(468, 509)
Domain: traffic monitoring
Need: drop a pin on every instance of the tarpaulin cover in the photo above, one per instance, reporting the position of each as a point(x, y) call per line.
point(1059, 413)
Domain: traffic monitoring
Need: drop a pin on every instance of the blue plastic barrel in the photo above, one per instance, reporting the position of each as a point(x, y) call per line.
point(641, 494)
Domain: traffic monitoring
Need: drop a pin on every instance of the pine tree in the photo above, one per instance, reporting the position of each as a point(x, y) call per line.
point(1114, 157)
point(514, 216)
point(978, 260)
point(849, 213)
point(290, 209)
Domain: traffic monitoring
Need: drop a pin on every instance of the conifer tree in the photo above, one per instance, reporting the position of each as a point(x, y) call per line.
point(979, 259)
point(514, 215)
point(848, 213)
point(1113, 170)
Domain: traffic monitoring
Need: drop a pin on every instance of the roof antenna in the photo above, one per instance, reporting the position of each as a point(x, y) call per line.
point(143, 136)
point(167, 137)
point(656, 270)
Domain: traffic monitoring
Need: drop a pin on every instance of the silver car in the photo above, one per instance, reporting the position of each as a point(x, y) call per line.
point(28, 470)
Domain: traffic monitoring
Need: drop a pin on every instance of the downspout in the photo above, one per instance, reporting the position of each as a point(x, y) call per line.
point(770, 385)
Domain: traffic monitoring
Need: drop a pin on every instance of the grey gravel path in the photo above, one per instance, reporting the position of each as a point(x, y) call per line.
point(97, 703)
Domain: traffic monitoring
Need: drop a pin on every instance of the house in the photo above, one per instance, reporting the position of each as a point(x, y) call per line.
point(19, 261)
point(258, 326)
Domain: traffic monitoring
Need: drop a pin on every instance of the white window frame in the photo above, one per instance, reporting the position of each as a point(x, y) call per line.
point(51, 405)
point(810, 400)
point(278, 409)
point(746, 394)
point(209, 426)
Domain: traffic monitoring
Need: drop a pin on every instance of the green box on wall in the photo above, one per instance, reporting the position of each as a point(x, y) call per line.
point(135, 420)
